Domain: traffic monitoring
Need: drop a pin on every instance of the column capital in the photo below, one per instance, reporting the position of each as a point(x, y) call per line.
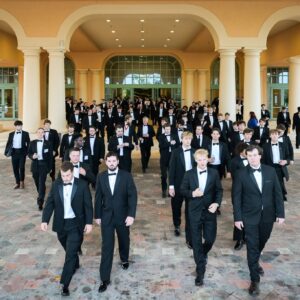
point(82, 71)
point(294, 60)
point(56, 51)
point(227, 52)
point(252, 52)
point(31, 51)
point(190, 70)
point(95, 71)
point(202, 70)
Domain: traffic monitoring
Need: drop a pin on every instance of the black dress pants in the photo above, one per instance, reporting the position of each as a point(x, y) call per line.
point(164, 166)
point(145, 155)
point(256, 238)
point(18, 159)
point(202, 227)
point(70, 239)
point(40, 175)
point(108, 244)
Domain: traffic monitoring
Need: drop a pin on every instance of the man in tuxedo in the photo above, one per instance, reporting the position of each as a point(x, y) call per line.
point(51, 135)
point(71, 202)
point(115, 209)
point(67, 141)
point(129, 130)
point(88, 121)
point(76, 119)
point(211, 120)
point(238, 136)
point(222, 125)
point(182, 160)
point(168, 141)
point(69, 108)
point(119, 117)
point(145, 135)
point(275, 154)
point(200, 140)
point(96, 147)
point(261, 133)
point(285, 139)
point(265, 114)
point(296, 126)
point(238, 162)
point(41, 154)
point(248, 137)
point(171, 117)
point(17, 147)
point(283, 117)
point(123, 146)
point(100, 120)
point(110, 123)
point(202, 186)
point(257, 203)
point(229, 124)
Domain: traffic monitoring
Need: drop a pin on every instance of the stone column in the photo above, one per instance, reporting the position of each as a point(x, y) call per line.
point(294, 84)
point(56, 99)
point(83, 84)
point(31, 92)
point(252, 90)
point(189, 86)
point(202, 77)
point(227, 92)
point(96, 85)
point(264, 86)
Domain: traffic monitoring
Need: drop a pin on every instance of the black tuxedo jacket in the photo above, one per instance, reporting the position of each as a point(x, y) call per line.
point(224, 131)
point(81, 202)
point(296, 121)
point(235, 165)
point(113, 146)
point(229, 127)
point(263, 138)
point(99, 147)
point(177, 167)
point(281, 120)
point(86, 155)
point(224, 155)
point(118, 206)
point(65, 145)
point(235, 139)
point(132, 134)
point(164, 146)
point(196, 143)
point(24, 142)
point(213, 192)
point(53, 139)
point(72, 119)
point(283, 154)
point(252, 206)
point(47, 155)
point(85, 122)
point(148, 142)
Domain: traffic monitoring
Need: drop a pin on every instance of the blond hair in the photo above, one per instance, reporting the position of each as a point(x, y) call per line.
point(187, 133)
point(200, 152)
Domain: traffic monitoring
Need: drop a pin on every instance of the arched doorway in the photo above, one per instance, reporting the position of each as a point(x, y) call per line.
point(143, 76)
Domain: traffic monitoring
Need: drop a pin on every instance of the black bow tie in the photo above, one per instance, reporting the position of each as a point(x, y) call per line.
point(91, 137)
point(145, 125)
point(201, 172)
point(46, 131)
point(40, 141)
point(214, 144)
point(180, 130)
point(187, 150)
point(258, 170)
point(18, 132)
point(275, 144)
point(65, 184)
point(111, 174)
point(75, 166)
point(244, 158)
point(70, 134)
point(120, 137)
point(167, 135)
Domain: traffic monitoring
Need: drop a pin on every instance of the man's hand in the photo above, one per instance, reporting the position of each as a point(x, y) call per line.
point(88, 228)
point(280, 221)
point(44, 226)
point(129, 221)
point(172, 192)
point(239, 225)
point(213, 207)
point(291, 162)
point(197, 193)
point(82, 171)
point(282, 162)
point(228, 175)
point(35, 156)
point(98, 221)
point(136, 147)
point(126, 144)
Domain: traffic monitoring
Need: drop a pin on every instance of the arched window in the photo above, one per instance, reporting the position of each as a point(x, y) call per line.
point(69, 77)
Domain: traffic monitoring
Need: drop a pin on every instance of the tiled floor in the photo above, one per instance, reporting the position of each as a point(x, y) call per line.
point(162, 266)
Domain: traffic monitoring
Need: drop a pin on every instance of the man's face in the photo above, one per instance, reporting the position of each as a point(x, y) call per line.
point(92, 131)
point(274, 137)
point(253, 158)
point(201, 161)
point(262, 123)
point(263, 107)
point(18, 127)
point(280, 132)
point(186, 141)
point(112, 163)
point(248, 136)
point(47, 126)
point(220, 118)
point(199, 130)
point(167, 130)
point(90, 112)
point(145, 121)
point(215, 135)
point(79, 142)
point(74, 157)
point(227, 117)
point(241, 127)
point(40, 134)
point(119, 132)
point(66, 176)
point(71, 130)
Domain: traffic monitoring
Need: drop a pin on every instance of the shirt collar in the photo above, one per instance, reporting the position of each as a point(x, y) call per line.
point(115, 171)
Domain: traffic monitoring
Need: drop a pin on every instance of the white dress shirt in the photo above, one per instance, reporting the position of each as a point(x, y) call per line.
point(92, 142)
point(187, 159)
point(211, 118)
point(202, 179)
point(161, 112)
point(112, 180)
point(145, 129)
point(68, 211)
point(245, 161)
point(221, 125)
point(17, 140)
point(120, 142)
point(126, 131)
point(46, 135)
point(77, 118)
point(215, 153)
point(90, 120)
point(241, 136)
point(200, 139)
point(258, 178)
point(169, 140)
point(39, 146)
point(76, 170)
point(99, 116)
point(276, 153)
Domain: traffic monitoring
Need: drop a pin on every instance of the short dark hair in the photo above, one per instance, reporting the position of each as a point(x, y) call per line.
point(74, 149)
point(93, 127)
point(241, 122)
point(66, 166)
point(71, 125)
point(47, 121)
point(118, 126)
point(248, 130)
point(216, 129)
point(18, 123)
point(167, 125)
point(110, 154)
point(281, 127)
point(240, 147)
point(250, 148)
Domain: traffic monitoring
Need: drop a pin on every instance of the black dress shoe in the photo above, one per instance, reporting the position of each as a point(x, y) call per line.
point(125, 265)
point(164, 194)
point(261, 271)
point(239, 245)
point(189, 245)
point(103, 286)
point(254, 288)
point(79, 251)
point(177, 231)
point(65, 291)
point(199, 281)
point(40, 206)
point(218, 211)
point(17, 186)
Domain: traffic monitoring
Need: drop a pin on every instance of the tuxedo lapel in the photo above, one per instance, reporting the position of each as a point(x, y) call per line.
point(61, 192)
point(182, 158)
point(280, 151)
point(106, 182)
point(74, 189)
point(208, 181)
point(253, 179)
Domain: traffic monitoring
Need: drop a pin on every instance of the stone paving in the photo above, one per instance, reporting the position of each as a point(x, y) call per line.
point(162, 266)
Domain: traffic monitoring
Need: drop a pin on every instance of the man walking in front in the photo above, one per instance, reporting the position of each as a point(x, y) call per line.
point(115, 208)
point(257, 203)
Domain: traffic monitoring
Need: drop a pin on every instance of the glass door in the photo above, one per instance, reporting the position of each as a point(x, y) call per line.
point(7, 103)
